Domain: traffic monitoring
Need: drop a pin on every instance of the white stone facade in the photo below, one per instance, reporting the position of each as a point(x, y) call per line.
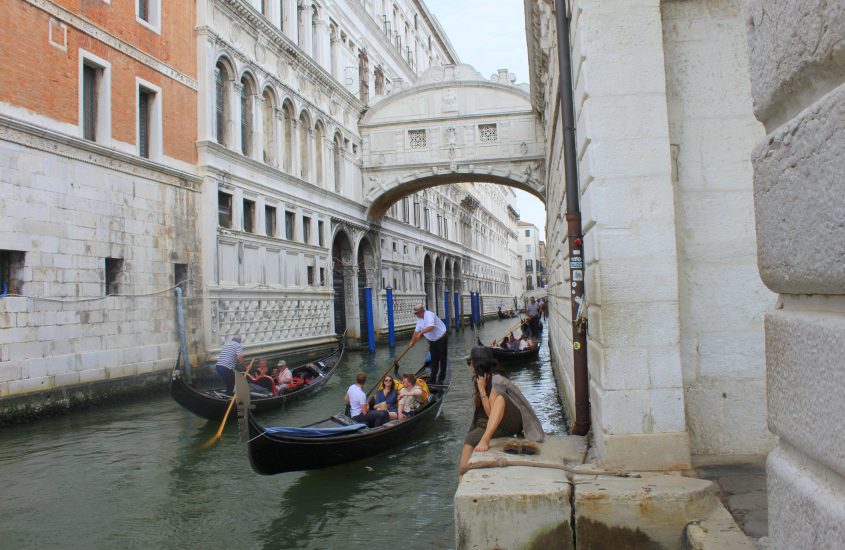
point(798, 86)
point(664, 134)
point(529, 246)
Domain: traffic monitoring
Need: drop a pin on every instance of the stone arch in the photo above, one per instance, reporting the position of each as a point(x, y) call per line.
point(367, 266)
point(269, 139)
point(342, 284)
point(305, 145)
point(288, 135)
point(247, 98)
point(224, 75)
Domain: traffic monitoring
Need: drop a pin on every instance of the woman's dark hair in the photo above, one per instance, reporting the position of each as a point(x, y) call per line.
point(484, 362)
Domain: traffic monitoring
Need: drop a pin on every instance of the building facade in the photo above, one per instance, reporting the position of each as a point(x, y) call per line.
point(675, 304)
point(97, 130)
point(529, 245)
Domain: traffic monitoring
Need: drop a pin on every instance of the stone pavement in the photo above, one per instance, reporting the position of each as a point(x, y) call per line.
point(742, 489)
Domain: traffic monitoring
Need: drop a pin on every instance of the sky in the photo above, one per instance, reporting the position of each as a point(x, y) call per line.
point(490, 35)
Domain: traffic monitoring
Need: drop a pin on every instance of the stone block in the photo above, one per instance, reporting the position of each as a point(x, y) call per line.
point(644, 452)
point(798, 190)
point(92, 375)
point(649, 512)
point(666, 410)
point(623, 411)
point(629, 369)
point(639, 324)
point(806, 382)
point(717, 531)
point(795, 50)
point(637, 280)
point(11, 371)
point(29, 385)
point(14, 304)
point(664, 367)
point(518, 506)
point(66, 379)
point(806, 502)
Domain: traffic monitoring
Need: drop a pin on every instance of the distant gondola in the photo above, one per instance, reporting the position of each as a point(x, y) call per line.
point(513, 356)
point(335, 440)
point(212, 404)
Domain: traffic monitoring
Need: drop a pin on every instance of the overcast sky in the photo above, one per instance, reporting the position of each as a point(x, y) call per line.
point(490, 35)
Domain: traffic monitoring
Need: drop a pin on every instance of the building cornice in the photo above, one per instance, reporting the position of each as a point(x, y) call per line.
point(82, 150)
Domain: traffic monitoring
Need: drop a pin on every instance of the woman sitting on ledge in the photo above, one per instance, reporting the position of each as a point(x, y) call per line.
point(500, 408)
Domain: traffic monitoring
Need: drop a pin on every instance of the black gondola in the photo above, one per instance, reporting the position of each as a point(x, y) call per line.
point(212, 403)
point(513, 356)
point(335, 440)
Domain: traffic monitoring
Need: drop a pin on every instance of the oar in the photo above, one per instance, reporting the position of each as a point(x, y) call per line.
point(217, 435)
point(394, 366)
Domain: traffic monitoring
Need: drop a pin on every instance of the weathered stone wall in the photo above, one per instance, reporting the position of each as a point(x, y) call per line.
point(798, 86)
point(67, 205)
point(712, 131)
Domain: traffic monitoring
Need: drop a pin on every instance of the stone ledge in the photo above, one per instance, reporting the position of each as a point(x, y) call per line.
point(717, 531)
point(644, 452)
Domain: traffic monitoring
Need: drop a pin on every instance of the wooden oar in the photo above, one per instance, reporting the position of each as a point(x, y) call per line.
point(217, 435)
point(394, 365)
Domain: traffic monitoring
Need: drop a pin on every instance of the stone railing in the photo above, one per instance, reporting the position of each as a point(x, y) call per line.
point(403, 302)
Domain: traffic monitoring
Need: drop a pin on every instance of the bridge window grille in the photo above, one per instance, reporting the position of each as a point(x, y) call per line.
point(417, 139)
point(487, 133)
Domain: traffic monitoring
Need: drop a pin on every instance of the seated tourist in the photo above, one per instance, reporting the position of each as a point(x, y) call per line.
point(386, 398)
point(410, 396)
point(262, 378)
point(525, 343)
point(359, 409)
point(284, 380)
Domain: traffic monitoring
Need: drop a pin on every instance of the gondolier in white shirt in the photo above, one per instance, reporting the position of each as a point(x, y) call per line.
point(432, 329)
point(231, 355)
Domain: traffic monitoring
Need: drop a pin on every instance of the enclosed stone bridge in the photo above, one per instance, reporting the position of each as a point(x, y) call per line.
point(452, 126)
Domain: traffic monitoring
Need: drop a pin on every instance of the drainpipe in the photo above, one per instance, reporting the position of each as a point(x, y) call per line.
point(573, 223)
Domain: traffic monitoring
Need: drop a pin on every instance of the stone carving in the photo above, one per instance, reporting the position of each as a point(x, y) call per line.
point(260, 51)
point(381, 158)
point(450, 101)
point(271, 320)
point(451, 135)
point(523, 148)
point(236, 33)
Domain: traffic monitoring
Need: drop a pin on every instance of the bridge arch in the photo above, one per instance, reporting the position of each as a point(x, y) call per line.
point(452, 126)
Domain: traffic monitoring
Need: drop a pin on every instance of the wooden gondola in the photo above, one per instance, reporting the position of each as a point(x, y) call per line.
point(212, 403)
point(513, 356)
point(335, 440)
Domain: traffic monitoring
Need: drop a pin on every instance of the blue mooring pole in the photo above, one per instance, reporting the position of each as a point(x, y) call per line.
point(391, 333)
point(446, 308)
point(368, 301)
point(457, 311)
point(471, 309)
point(474, 309)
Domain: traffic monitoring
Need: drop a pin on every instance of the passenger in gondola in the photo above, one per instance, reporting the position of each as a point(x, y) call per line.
point(410, 396)
point(386, 398)
point(231, 356)
point(500, 408)
point(262, 377)
point(525, 343)
point(284, 380)
point(510, 342)
point(359, 409)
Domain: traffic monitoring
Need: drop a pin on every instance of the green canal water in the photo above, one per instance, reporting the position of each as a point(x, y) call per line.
point(134, 474)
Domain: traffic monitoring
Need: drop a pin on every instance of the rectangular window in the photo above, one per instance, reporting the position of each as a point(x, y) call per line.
point(144, 10)
point(310, 272)
point(487, 133)
point(114, 269)
point(528, 248)
point(148, 13)
point(306, 229)
point(249, 216)
point(224, 209)
point(529, 265)
point(394, 246)
point(90, 77)
point(289, 221)
point(321, 230)
point(145, 100)
point(416, 214)
point(527, 232)
point(180, 277)
point(404, 249)
point(322, 276)
point(406, 210)
point(11, 271)
point(417, 139)
point(426, 220)
point(270, 221)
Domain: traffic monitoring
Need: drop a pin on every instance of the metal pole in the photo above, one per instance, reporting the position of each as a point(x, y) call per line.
point(368, 302)
point(183, 337)
point(391, 333)
point(573, 224)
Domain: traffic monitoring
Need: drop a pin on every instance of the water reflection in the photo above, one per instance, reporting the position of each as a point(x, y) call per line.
point(134, 474)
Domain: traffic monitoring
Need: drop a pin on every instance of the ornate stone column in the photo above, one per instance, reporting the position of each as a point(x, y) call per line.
point(233, 140)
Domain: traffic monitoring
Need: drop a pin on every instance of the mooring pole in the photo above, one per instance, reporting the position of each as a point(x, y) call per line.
point(391, 333)
point(446, 321)
point(371, 335)
point(457, 310)
point(183, 337)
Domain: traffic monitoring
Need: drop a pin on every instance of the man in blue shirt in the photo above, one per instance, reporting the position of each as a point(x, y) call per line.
point(430, 327)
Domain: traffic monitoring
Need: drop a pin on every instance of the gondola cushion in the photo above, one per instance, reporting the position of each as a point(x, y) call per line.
point(315, 432)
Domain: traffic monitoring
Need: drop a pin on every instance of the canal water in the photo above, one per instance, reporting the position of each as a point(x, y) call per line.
point(135, 475)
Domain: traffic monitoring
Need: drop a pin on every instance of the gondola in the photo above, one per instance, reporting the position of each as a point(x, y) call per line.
point(513, 356)
point(335, 440)
point(212, 403)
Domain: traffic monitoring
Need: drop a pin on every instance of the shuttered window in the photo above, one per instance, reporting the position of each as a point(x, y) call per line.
point(144, 101)
point(89, 103)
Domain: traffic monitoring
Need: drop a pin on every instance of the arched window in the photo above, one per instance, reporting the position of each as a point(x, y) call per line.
point(246, 117)
point(338, 162)
point(304, 146)
point(269, 120)
point(318, 152)
point(288, 135)
point(315, 33)
point(221, 79)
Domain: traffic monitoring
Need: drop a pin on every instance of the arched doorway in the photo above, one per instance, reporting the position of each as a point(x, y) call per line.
point(366, 277)
point(341, 263)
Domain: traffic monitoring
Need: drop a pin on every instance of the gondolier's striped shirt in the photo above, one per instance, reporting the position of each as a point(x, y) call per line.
point(229, 354)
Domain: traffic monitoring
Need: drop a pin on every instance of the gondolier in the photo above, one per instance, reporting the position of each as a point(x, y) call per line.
point(231, 355)
point(432, 329)
point(533, 311)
